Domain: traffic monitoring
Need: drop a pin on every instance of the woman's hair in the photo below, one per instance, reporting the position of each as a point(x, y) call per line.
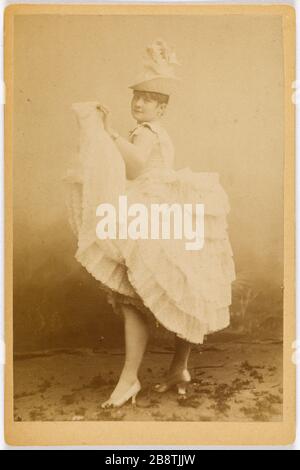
point(159, 97)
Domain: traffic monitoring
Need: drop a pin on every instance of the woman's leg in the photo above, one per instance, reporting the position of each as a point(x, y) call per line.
point(177, 374)
point(136, 338)
point(181, 356)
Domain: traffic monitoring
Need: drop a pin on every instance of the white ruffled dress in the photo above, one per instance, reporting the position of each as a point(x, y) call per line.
point(188, 292)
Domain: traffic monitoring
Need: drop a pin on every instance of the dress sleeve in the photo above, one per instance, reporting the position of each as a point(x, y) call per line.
point(144, 138)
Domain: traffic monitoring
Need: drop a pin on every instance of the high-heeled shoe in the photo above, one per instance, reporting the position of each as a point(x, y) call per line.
point(130, 394)
point(180, 379)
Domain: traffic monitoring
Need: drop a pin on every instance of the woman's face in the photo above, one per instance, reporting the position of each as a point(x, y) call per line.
point(144, 108)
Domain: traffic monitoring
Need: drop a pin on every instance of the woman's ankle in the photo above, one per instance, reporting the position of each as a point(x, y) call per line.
point(129, 377)
point(177, 368)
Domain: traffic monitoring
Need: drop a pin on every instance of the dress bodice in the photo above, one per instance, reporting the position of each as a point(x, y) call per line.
point(161, 150)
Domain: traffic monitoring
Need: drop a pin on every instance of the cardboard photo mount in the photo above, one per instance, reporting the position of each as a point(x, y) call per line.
point(158, 433)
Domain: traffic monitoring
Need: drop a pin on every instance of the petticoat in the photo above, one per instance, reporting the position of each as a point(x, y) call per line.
point(188, 292)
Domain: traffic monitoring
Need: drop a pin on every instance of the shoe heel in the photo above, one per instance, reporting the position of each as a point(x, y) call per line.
point(133, 400)
point(181, 388)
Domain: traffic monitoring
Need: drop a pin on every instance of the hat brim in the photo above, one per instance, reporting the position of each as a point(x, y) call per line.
point(162, 85)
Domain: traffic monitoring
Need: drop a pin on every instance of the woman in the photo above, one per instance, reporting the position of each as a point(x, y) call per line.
point(188, 292)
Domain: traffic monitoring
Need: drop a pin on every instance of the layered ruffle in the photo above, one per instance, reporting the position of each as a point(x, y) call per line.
point(188, 292)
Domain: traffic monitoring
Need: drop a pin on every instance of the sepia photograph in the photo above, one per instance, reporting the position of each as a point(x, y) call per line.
point(149, 182)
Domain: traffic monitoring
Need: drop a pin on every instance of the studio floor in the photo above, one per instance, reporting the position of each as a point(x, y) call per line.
point(236, 381)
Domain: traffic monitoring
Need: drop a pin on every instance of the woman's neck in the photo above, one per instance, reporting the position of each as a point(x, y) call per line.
point(153, 121)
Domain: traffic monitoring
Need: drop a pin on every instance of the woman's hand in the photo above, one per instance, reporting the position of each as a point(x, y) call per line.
point(106, 117)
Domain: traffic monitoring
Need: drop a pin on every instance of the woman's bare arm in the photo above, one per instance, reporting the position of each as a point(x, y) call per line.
point(135, 154)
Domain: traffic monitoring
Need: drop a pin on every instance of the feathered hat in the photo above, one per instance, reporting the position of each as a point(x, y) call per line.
point(158, 74)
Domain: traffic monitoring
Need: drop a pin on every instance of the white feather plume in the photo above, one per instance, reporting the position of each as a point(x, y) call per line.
point(161, 59)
